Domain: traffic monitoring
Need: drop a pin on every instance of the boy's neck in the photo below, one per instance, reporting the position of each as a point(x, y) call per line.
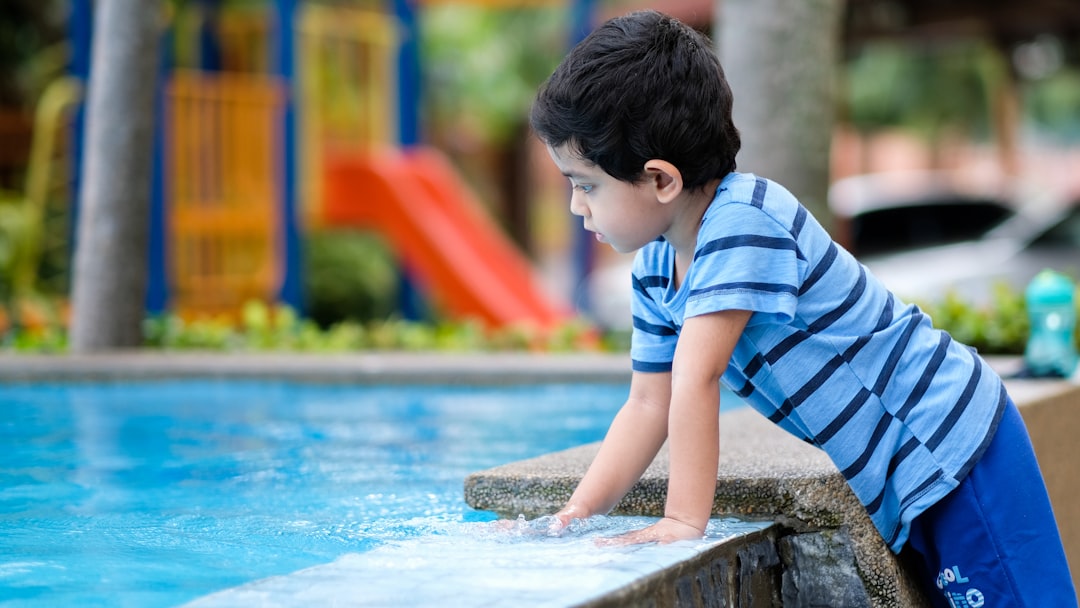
point(684, 230)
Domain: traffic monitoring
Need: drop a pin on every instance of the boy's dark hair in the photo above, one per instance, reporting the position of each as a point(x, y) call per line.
point(639, 87)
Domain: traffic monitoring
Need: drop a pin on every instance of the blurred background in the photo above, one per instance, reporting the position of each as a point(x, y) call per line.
point(345, 163)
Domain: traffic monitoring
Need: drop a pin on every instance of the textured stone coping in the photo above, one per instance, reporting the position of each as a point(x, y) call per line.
point(358, 368)
point(764, 473)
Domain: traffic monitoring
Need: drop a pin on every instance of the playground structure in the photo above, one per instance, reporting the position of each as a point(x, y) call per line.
point(222, 190)
point(272, 136)
point(428, 214)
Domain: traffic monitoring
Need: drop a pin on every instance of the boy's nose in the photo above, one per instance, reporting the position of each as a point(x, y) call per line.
point(577, 206)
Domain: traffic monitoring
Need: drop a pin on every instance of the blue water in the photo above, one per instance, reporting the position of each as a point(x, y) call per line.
point(157, 493)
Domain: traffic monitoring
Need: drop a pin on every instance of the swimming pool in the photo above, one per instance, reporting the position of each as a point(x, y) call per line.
point(157, 493)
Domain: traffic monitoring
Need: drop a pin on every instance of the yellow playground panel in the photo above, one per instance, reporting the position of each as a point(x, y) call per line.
point(348, 89)
point(224, 147)
point(224, 166)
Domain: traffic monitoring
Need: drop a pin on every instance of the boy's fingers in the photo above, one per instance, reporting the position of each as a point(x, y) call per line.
point(636, 537)
point(664, 531)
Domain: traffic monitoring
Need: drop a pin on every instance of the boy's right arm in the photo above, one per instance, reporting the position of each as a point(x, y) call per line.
point(632, 441)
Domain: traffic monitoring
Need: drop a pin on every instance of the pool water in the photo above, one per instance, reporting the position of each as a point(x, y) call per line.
point(158, 493)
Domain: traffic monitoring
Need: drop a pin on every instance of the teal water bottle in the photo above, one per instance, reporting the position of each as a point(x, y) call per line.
point(1051, 307)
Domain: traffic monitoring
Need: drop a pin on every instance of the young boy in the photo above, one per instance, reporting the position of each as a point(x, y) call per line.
point(735, 282)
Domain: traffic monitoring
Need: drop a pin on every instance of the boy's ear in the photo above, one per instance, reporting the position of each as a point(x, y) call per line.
point(665, 178)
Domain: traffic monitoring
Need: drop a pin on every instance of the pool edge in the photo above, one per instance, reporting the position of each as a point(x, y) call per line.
point(355, 368)
point(798, 487)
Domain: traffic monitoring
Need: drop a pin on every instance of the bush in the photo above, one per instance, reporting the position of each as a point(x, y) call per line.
point(278, 328)
point(1000, 328)
point(39, 325)
point(348, 276)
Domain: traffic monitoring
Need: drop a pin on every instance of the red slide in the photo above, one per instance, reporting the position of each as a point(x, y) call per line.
point(416, 200)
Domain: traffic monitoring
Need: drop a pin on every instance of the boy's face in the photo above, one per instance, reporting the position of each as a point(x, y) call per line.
point(623, 215)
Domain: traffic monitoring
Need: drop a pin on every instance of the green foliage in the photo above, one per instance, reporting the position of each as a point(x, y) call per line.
point(482, 65)
point(278, 328)
point(261, 328)
point(925, 89)
point(33, 324)
point(1000, 328)
point(31, 48)
point(51, 339)
point(1052, 104)
point(349, 276)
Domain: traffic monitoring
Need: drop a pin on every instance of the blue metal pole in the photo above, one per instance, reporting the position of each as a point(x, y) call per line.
point(582, 19)
point(411, 303)
point(409, 75)
point(292, 289)
point(582, 15)
point(209, 44)
point(80, 32)
point(157, 267)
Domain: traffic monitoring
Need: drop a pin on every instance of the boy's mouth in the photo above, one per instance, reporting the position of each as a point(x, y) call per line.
point(596, 233)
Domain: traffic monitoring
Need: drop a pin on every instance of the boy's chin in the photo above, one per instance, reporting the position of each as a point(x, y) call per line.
point(623, 247)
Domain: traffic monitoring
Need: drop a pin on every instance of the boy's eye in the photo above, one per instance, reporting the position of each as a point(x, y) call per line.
point(586, 188)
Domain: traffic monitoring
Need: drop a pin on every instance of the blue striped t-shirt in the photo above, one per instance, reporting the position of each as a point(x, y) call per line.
point(829, 354)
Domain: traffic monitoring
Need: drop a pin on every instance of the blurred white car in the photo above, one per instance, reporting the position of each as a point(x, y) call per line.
point(880, 213)
point(1012, 253)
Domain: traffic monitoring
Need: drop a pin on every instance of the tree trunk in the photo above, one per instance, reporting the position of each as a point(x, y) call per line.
point(109, 282)
point(781, 59)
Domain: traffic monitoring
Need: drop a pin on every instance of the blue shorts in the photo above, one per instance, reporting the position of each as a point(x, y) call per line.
point(993, 541)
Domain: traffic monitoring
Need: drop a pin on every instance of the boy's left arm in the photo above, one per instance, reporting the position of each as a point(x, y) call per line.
point(704, 349)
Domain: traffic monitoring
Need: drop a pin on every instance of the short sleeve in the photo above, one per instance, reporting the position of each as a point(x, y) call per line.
point(655, 333)
point(745, 260)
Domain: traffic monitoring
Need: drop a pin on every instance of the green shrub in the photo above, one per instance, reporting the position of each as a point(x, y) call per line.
point(999, 328)
point(278, 328)
point(348, 276)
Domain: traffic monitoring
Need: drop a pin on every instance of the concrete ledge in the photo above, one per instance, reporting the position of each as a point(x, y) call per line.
point(765, 473)
point(353, 368)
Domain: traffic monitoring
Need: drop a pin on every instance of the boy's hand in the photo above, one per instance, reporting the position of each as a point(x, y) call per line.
point(664, 531)
point(568, 514)
point(547, 525)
